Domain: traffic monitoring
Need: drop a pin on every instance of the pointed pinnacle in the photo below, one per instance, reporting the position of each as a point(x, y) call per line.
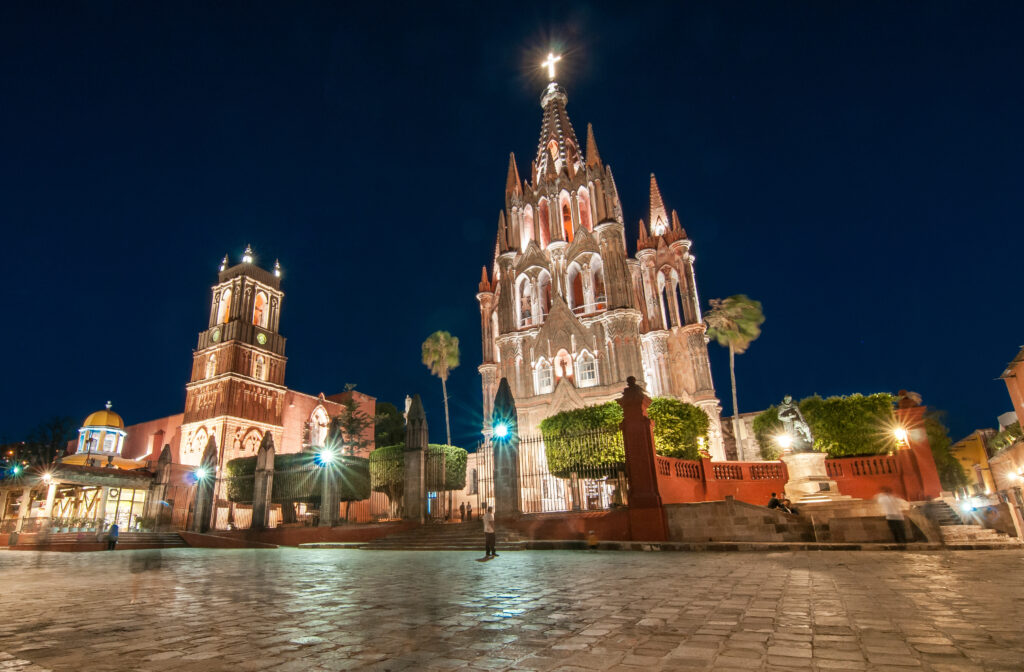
point(593, 157)
point(659, 217)
point(513, 185)
point(643, 231)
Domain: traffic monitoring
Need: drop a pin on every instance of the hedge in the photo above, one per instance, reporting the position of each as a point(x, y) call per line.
point(587, 438)
point(297, 478)
point(841, 426)
point(387, 468)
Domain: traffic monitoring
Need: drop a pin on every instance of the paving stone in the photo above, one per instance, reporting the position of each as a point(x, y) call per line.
point(287, 610)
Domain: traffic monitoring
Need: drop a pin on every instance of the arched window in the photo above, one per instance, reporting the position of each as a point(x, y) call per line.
point(259, 368)
point(575, 289)
point(545, 223)
point(677, 298)
point(583, 201)
point(199, 441)
point(600, 298)
point(544, 295)
point(524, 302)
point(251, 443)
point(566, 209)
point(211, 366)
point(526, 232)
point(663, 300)
point(224, 310)
point(259, 310)
point(544, 380)
point(318, 423)
point(586, 370)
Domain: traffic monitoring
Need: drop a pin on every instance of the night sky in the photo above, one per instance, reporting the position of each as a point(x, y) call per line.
point(855, 166)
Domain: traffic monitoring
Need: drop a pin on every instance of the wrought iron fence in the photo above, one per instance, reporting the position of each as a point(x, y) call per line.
point(590, 482)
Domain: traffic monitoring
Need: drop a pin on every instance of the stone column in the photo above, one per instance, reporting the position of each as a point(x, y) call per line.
point(263, 484)
point(101, 508)
point(416, 439)
point(506, 453)
point(23, 506)
point(329, 494)
point(51, 493)
point(158, 488)
point(647, 520)
point(204, 510)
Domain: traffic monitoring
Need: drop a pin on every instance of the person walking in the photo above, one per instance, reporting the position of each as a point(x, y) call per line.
point(892, 507)
point(112, 537)
point(469, 511)
point(462, 511)
point(489, 533)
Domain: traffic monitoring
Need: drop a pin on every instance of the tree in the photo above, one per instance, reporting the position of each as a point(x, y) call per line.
point(1006, 438)
point(678, 428)
point(49, 440)
point(441, 355)
point(735, 323)
point(348, 428)
point(951, 472)
point(842, 426)
point(388, 425)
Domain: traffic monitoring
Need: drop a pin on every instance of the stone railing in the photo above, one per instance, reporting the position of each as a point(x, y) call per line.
point(874, 465)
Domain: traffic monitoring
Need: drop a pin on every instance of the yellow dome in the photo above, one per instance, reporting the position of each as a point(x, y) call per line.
point(104, 418)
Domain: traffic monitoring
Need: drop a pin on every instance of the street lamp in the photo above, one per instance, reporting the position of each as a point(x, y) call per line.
point(501, 429)
point(901, 437)
point(785, 441)
point(326, 456)
point(201, 473)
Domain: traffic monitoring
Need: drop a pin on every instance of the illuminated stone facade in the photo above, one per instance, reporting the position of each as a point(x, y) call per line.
point(566, 314)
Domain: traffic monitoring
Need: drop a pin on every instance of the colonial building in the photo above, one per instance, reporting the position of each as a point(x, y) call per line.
point(566, 314)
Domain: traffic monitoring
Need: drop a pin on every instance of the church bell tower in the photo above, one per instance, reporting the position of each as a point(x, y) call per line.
point(236, 391)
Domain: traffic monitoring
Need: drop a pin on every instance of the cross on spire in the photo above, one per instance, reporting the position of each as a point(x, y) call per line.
point(549, 63)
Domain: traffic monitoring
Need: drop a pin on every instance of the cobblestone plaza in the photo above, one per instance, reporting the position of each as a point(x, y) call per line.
point(296, 610)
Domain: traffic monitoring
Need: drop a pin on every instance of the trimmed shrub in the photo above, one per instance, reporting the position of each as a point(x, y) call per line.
point(583, 439)
point(677, 428)
point(298, 479)
point(841, 426)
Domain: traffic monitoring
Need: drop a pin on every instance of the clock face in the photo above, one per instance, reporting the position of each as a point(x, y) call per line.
point(261, 338)
point(215, 335)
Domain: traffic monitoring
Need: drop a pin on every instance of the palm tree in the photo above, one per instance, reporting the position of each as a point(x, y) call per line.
point(735, 323)
point(441, 355)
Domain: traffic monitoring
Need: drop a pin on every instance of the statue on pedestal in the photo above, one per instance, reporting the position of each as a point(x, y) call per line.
point(796, 428)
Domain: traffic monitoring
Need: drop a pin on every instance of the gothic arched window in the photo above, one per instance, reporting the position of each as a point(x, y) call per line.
point(563, 364)
point(586, 370)
point(566, 209)
point(211, 366)
point(545, 223)
point(318, 423)
point(259, 368)
point(524, 302)
point(526, 233)
point(663, 300)
point(544, 380)
point(600, 298)
point(544, 295)
point(583, 201)
point(259, 310)
point(575, 296)
point(224, 310)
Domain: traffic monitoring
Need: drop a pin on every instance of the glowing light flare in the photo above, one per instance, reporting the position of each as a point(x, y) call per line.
point(201, 473)
point(501, 430)
point(47, 477)
point(784, 440)
point(326, 456)
point(17, 469)
point(549, 63)
point(901, 436)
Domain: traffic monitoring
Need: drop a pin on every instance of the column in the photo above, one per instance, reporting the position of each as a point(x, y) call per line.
point(51, 493)
point(23, 506)
point(506, 453)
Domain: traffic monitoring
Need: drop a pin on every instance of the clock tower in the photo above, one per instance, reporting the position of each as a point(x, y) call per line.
point(236, 392)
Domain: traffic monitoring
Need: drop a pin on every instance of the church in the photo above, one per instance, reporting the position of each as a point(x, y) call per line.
point(236, 394)
point(566, 314)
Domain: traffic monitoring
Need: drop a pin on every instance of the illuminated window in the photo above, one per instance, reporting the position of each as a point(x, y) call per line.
point(586, 370)
point(224, 310)
point(211, 366)
point(567, 220)
point(526, 233)
point(545, 380)
point(259, 310)
point(583, 200)
point(545, 223)
point(259, 368)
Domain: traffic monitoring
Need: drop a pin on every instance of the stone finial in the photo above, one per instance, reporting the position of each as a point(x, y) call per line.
point(224, 262)
point(165, 455)
point(593, 157)
point(416, 430)
point(109, 404)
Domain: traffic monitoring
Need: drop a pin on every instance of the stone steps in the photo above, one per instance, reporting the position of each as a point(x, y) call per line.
point(447, 537)
point(954, 534)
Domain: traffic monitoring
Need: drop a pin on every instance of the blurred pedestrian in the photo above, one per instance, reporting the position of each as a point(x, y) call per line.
point(112, 535)
point(469, 511)
point(489, 533)
point(892, 507)
point(462, 511)
point(774, 502)
point(141, 563)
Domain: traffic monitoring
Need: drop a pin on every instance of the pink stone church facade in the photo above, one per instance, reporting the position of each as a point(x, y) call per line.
point(566, 314)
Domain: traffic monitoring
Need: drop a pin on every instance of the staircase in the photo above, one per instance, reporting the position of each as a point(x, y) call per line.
point(973, 534)
point(445, 537)
point(942, 513)
point(88, 541)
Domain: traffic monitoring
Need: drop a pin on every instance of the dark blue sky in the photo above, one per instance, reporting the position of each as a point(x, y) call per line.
point(855, 166)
